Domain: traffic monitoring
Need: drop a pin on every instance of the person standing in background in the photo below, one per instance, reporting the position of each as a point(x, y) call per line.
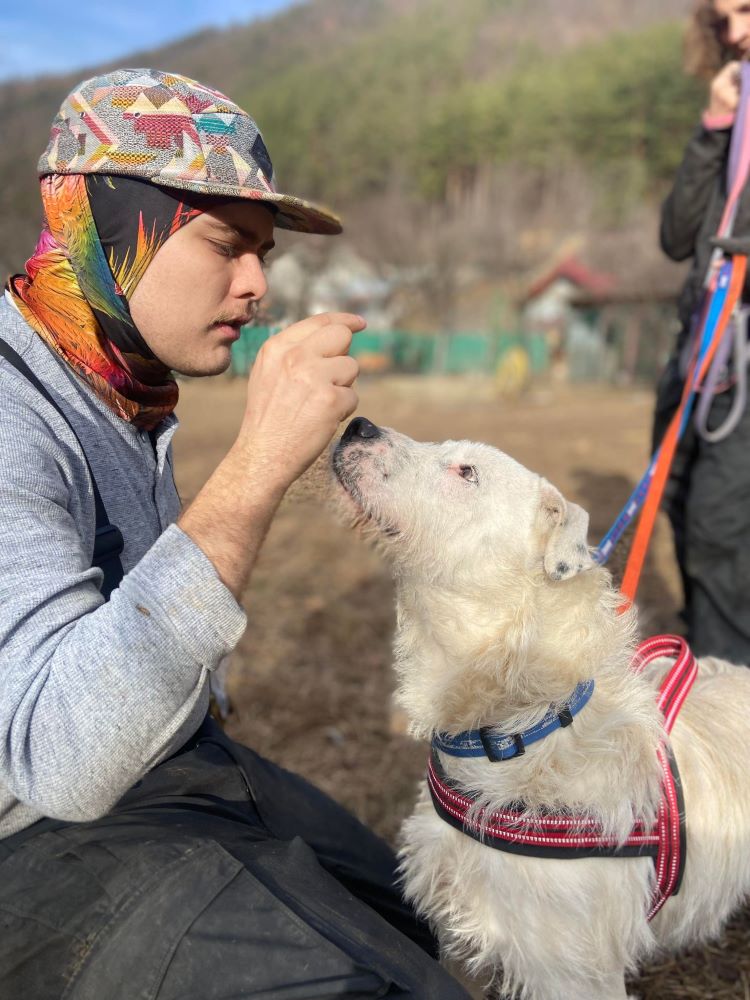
point(708, 493)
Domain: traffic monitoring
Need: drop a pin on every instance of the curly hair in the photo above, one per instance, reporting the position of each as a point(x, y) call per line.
point(705, 51)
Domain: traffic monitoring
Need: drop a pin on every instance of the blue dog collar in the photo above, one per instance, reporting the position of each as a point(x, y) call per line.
point(487, 742)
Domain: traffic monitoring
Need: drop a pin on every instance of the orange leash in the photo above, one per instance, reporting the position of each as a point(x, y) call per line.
point(637, 556)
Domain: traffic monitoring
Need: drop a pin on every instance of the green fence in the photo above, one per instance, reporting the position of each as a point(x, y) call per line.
point(244, 350)
point(447, 353)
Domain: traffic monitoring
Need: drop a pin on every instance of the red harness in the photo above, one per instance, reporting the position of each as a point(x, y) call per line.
point(577, 836)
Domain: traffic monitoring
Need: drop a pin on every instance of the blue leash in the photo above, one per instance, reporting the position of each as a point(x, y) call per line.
point(634, 503)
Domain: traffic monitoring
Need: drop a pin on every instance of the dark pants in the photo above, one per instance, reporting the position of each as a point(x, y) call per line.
point(219, 875)
point(708, 501)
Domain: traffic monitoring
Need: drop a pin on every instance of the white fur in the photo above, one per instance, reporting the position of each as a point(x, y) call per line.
point(501, 612)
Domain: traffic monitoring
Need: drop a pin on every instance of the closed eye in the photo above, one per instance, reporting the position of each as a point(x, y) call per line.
point(233, 250)
point(225, 249)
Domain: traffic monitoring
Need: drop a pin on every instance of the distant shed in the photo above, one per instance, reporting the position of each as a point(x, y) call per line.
point(634, 328)
point(599, 327)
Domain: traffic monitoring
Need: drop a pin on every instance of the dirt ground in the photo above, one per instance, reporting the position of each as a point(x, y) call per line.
point(311, 680)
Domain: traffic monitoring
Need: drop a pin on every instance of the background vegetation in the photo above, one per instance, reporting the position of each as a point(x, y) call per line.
point(481, 134)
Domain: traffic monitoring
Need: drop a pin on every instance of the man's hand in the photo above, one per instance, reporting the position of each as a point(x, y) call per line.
point(725, 91)
point(299, 391)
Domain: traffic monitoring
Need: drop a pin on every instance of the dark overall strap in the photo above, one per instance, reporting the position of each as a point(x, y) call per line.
point(108, 540)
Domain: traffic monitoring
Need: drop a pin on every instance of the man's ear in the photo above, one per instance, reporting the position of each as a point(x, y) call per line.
point(566, 528)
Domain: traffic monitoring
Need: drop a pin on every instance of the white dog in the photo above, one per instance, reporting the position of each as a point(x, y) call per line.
point(502, 614)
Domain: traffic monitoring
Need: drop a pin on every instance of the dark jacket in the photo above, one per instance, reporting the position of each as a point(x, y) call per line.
point(692, 213)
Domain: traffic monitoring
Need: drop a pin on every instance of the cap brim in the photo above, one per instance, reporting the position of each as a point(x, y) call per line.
point(293, 213)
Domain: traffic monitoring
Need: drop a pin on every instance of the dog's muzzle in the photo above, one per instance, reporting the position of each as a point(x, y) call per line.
point(348, 453)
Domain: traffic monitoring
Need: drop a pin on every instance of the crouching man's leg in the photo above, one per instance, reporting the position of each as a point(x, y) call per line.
point(186, 891)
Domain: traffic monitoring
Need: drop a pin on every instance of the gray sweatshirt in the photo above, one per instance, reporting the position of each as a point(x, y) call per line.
point(92, 694)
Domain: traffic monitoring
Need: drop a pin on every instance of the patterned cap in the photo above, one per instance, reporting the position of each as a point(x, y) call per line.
point(172, 131)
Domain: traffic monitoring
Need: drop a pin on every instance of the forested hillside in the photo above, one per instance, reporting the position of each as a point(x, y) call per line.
point(496, 126)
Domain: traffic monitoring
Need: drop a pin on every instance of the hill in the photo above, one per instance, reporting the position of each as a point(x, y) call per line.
point(540, 116)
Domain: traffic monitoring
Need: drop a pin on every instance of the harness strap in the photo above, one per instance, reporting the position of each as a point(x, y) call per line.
point(678, 682)
point(546, 835)
point(670, 824)
point(513, 829)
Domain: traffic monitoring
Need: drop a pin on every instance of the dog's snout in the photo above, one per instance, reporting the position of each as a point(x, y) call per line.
point(362, 428)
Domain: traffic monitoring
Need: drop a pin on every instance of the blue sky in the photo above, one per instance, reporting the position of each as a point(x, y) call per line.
point(43, 36)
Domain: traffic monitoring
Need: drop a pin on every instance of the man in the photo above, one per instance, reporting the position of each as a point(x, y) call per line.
point(144, 854)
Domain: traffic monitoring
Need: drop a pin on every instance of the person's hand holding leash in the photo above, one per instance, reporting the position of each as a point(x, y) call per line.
point(725, 91)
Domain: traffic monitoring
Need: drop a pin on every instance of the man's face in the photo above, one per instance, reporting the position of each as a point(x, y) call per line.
point(202, 286)
point(734, 24)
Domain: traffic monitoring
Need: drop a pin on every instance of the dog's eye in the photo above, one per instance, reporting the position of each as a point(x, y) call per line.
point(469, 473)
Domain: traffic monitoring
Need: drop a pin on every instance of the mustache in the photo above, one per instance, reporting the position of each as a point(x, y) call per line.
point(248, 316)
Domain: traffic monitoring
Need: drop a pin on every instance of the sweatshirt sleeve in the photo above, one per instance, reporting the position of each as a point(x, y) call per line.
point(93, 694)
point(686, 205)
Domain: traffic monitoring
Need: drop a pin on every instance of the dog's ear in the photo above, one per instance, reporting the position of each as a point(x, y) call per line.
point(566, 527)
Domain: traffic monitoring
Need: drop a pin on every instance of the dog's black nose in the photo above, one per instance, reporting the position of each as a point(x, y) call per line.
point(360, 427)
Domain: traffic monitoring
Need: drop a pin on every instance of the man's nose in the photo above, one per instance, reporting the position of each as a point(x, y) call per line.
point(250, 280)
point(360, 428)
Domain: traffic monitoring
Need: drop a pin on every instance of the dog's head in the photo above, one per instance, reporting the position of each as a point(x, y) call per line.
point(499, 603)
point(459, 509)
